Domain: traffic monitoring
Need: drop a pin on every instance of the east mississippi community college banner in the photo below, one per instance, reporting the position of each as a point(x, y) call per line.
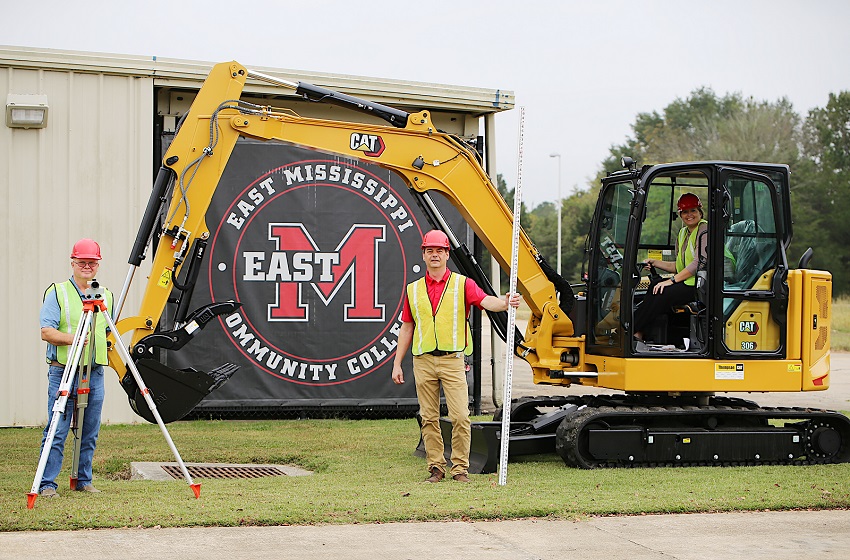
point(318, 250)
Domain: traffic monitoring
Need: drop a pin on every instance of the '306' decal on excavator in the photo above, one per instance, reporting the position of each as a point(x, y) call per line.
point(371, 145)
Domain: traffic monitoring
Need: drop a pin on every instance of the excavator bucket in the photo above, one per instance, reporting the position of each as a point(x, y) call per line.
point(175, 392)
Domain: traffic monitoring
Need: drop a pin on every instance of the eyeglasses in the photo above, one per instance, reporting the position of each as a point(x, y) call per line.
point(86, 264)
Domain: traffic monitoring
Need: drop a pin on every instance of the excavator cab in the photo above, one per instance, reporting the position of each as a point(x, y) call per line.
point(740, 295)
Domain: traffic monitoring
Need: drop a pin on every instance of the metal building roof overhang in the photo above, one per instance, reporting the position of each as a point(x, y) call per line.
point(176, 73)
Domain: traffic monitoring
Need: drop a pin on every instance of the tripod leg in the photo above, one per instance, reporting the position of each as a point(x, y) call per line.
point(60, 403)
point(125, 355)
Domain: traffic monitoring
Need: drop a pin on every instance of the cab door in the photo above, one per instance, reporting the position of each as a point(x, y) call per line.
point(607, 244)
point(749, 309)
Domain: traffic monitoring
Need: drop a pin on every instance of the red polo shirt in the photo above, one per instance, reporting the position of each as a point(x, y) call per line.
point(473, 295)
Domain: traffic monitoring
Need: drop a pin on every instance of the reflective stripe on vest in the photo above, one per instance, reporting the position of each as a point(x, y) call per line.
point(70, 312)
point(440, 330)
point(687, 241)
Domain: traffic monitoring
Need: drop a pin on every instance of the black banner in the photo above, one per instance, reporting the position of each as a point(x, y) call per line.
point(318, 249)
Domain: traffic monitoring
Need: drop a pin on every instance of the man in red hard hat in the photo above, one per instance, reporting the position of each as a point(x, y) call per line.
point(60, 316)
point(434, 325)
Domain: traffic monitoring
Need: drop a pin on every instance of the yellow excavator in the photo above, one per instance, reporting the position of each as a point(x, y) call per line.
point(756, 325)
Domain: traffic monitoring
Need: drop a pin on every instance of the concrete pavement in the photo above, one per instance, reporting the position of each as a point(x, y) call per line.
point(729, 536)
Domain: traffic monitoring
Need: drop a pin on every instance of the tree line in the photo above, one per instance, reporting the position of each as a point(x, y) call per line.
point(705, 126)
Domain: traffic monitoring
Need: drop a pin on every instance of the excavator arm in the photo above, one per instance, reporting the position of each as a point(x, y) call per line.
point(410, 145)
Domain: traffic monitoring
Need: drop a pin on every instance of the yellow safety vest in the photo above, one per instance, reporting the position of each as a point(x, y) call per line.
point(70, 312)
point(446, 329)
point(687, 245)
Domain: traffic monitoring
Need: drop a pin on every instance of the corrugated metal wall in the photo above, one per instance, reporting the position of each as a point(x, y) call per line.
point(87, 174)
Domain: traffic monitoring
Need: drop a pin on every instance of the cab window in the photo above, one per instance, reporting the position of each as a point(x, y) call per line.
point(610, 236)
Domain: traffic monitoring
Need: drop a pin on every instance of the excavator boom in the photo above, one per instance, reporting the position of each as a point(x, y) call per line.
point(428, 160)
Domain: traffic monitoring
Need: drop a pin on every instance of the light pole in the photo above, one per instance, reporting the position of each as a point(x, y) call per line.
point(557, 155)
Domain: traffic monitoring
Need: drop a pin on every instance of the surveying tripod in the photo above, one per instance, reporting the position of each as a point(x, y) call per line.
point(93, 304)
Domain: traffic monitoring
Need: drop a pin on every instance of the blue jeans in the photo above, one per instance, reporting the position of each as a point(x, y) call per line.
point(90, 428)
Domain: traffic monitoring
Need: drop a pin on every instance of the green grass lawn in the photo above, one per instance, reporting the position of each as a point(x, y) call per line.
point(365, 472)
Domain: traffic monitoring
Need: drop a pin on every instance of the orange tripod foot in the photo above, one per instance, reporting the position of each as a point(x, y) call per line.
point(196, 488)
point(31, 499)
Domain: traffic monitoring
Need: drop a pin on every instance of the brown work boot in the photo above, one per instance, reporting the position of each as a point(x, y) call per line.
point(461, 477)
point(49, 492)
point(436, 475)
point(89, 488)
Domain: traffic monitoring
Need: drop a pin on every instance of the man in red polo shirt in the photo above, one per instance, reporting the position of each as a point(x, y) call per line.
point(434, 325)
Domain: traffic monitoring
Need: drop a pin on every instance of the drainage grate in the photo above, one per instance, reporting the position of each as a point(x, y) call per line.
point(244, 471)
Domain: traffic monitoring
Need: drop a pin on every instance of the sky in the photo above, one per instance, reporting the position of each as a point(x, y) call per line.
point(580, 70)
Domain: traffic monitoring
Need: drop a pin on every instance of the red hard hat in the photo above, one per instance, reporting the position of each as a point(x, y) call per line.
point(435, 238)
point(688, 201)
point(86, 249)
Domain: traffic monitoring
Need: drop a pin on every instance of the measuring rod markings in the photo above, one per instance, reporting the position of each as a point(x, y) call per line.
point(509, 351)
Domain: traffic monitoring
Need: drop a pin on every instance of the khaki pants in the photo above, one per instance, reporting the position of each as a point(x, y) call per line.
point(450, 371)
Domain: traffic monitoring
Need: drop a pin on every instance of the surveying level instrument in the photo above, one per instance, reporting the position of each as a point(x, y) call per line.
point(93, 303)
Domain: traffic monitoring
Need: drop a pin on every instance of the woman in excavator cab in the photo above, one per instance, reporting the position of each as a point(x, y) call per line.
point(678, 289)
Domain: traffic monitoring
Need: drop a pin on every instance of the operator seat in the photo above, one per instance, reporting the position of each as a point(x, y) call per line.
point(741, 244)
point(696, 311)
point(754, 253)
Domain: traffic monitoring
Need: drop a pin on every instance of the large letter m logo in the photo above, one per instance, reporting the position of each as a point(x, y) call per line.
point(355, 260)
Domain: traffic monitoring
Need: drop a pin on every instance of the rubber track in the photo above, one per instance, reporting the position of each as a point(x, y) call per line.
point(569, 432)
